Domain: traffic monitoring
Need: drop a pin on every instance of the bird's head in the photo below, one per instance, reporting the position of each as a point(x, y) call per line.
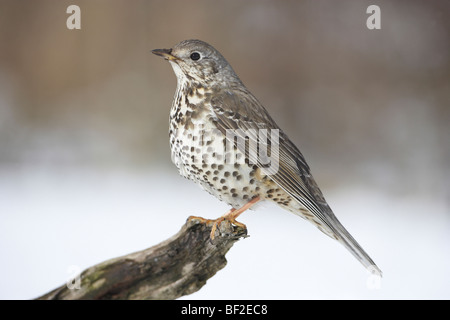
point(198, 61)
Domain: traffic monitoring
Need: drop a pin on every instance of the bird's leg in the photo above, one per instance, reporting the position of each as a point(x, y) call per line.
point(232, 216)
point(227, 216)
point(209, 221)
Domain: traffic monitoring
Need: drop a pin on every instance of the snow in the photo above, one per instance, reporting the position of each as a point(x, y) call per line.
point(54, 219)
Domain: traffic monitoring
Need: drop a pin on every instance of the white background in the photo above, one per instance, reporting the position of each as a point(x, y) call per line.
point(54, 219)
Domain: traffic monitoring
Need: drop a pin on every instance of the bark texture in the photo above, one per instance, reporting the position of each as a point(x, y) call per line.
point(176, 267)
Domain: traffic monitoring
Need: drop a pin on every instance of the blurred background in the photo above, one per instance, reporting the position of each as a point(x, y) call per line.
point(85, 170)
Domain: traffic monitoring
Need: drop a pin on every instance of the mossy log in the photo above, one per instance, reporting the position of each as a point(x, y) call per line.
point(176, 267)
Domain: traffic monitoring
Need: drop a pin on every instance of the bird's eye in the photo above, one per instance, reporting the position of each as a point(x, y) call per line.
point(195, 56)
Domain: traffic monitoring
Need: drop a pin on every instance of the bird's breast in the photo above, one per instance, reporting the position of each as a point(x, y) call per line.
point(201, 153)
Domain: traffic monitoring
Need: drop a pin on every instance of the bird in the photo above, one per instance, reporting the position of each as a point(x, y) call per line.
point(219, 136)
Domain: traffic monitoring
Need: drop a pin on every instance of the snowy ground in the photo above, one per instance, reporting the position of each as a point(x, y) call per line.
point(51, 220)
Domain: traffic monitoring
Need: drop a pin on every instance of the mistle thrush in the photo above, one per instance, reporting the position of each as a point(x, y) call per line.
point(220, 138)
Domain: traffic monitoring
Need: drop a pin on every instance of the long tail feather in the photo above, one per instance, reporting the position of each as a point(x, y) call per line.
point(344, 237)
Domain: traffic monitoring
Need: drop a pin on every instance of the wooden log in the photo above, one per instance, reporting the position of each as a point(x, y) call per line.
point(176, 267)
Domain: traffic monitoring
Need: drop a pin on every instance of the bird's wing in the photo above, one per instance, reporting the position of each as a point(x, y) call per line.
point(241, 112)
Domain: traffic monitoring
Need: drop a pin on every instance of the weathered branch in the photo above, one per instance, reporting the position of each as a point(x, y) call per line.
point(176, 267)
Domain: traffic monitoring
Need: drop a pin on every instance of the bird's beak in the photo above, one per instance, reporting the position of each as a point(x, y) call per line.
point(165, 53)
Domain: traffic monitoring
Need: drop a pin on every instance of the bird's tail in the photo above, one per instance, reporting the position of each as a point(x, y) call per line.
point(344, 237)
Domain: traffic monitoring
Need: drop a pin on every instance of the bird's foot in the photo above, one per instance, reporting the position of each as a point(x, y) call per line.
point(230, 216)
point(215, 223)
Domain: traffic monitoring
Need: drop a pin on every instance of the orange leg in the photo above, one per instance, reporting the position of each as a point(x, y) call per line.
point(230, 216)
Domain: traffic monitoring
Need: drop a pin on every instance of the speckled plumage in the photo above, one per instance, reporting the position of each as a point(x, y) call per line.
point(210, 102)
